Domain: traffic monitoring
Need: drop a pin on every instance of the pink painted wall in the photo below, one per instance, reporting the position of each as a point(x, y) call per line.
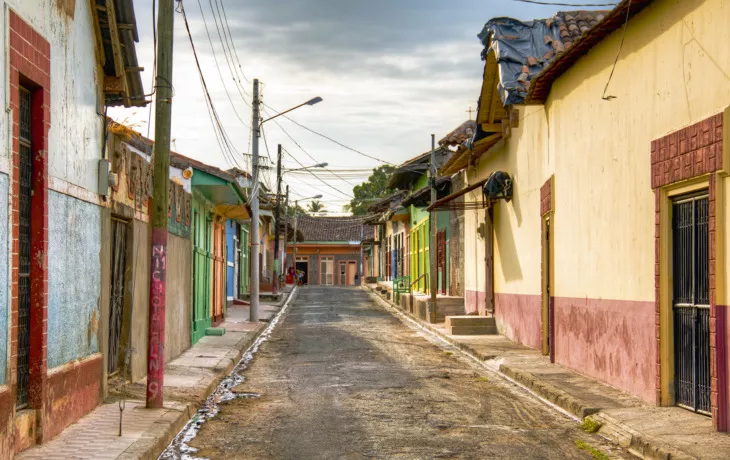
point(610, 340)
point(519, 317)
point(474, 302)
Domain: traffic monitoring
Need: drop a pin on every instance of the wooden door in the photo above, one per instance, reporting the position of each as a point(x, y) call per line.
point(219, 271)
point(351, 271)
point(441, 260)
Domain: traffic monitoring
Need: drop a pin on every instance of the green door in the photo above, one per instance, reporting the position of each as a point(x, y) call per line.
point(243, 264)
point(201, 271)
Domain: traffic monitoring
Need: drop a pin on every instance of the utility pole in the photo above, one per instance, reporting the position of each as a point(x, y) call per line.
point(160, 199)
point(255, 126)
point(277, 222)
point(286, 232)
point(433, 239)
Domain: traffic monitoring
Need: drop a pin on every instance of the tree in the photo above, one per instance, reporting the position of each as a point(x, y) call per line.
point(368, 192)
point(315, 206)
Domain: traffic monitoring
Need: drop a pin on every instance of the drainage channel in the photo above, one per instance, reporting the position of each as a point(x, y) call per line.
point(179, 448)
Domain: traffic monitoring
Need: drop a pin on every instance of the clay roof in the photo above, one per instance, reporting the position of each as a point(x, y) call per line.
point(327, 229)
point(581, 40)
point(463, 133)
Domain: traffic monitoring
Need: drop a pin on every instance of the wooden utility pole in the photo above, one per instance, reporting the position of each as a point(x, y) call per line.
point(277, 222)
point(255, 238)
point(160, 200)
point(286, 232)
point(432, 240)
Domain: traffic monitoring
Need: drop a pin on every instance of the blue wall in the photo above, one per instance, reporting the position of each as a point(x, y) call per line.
point(231, 251)
point(4, 235)
point(74, 278)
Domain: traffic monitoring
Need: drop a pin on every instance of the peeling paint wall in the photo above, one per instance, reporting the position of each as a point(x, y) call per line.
point(74, 278)
point(179, 296)
point(74, 138)
point(4, 282)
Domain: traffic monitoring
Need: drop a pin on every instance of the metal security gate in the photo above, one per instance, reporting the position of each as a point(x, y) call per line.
point(691, 303)
point(116, 298)
point(26, 174)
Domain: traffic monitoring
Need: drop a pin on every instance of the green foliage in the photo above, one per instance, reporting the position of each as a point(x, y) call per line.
point(368, 192)
point(315, 206)
point(589, 425)
point(595, 453)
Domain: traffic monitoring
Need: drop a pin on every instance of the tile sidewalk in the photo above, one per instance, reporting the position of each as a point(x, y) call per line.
point(645, 430)
point(189, 378)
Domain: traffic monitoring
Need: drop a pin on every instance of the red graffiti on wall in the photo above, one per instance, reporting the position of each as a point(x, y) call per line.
point(156, 347)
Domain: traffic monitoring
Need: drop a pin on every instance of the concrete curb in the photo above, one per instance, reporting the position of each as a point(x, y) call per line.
point(643, 446)
point(550, 392)
point(156, 439)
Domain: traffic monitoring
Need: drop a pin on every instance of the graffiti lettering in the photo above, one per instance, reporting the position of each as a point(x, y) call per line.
point(155, 352)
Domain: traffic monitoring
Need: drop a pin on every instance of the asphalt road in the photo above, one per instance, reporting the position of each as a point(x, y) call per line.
point(342, 378)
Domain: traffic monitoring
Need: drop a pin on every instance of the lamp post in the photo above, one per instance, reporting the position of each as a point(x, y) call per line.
point(277, 213)
point(256, 125)
point(296, 210)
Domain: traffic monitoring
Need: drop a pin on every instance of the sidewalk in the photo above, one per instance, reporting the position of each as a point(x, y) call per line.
point(645, 430)
point(189, 379)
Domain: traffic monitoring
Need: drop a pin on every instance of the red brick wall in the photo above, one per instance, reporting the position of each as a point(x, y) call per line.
point(687, 153)
point(692, 152)
point(546, 192)
point(30, 66)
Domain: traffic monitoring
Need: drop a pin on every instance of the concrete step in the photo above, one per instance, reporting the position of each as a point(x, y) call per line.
point(471, 325)
point(472, 330)
point(470, 320)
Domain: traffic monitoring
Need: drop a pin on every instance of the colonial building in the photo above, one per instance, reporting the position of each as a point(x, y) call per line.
point(329, 254)
point(610, 255)
point(65, 62)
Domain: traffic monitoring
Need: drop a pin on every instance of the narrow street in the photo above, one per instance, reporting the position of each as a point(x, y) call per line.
point(342, 378)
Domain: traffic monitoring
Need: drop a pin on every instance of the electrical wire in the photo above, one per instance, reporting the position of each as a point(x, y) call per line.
point(233, 44)
point(221, 136)
point(615, 61)
point(215, 59)
point(329, 138)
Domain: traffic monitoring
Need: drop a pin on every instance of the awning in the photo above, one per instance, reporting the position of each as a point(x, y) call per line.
point(422, 197)
point(445, 203)
point(465, 156)
point(238, 212)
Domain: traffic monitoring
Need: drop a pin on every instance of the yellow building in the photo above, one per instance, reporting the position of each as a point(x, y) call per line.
point(610, 257)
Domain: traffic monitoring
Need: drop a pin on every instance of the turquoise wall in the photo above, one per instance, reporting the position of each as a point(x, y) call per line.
point(4, 282)
point(74, 278)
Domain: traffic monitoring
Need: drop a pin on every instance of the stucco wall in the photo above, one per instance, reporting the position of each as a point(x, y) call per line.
point(74, 138)
point(602, 171)
point(4, 280)
point(517, 231)
point(179, 296)
point(74, 278)
point(140, 298)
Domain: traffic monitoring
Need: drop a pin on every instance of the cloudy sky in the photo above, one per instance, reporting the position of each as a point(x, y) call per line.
point(391, 72)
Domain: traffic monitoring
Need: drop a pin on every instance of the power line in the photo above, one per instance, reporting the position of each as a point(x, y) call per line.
point(215, 59)
point(225, 16)
point(221, 137)
point(329, 138)
point(227, 53)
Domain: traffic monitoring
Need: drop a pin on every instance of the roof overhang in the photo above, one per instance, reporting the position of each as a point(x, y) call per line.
point(615, 19)
point(465, 156)
point(116, 34)
point(422, 197)
point(444, 202)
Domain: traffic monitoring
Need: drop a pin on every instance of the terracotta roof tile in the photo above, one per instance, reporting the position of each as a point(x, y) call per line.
point(463, 133)
point(332, 228)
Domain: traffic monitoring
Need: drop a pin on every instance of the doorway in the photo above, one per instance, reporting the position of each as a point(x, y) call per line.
point(691, 302)
point(548, 310)
point(24, 254)
point(302, 265)
point(117, 297)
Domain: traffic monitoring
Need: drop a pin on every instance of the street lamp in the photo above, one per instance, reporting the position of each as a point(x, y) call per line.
point(256, 125)
point(277, 222)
